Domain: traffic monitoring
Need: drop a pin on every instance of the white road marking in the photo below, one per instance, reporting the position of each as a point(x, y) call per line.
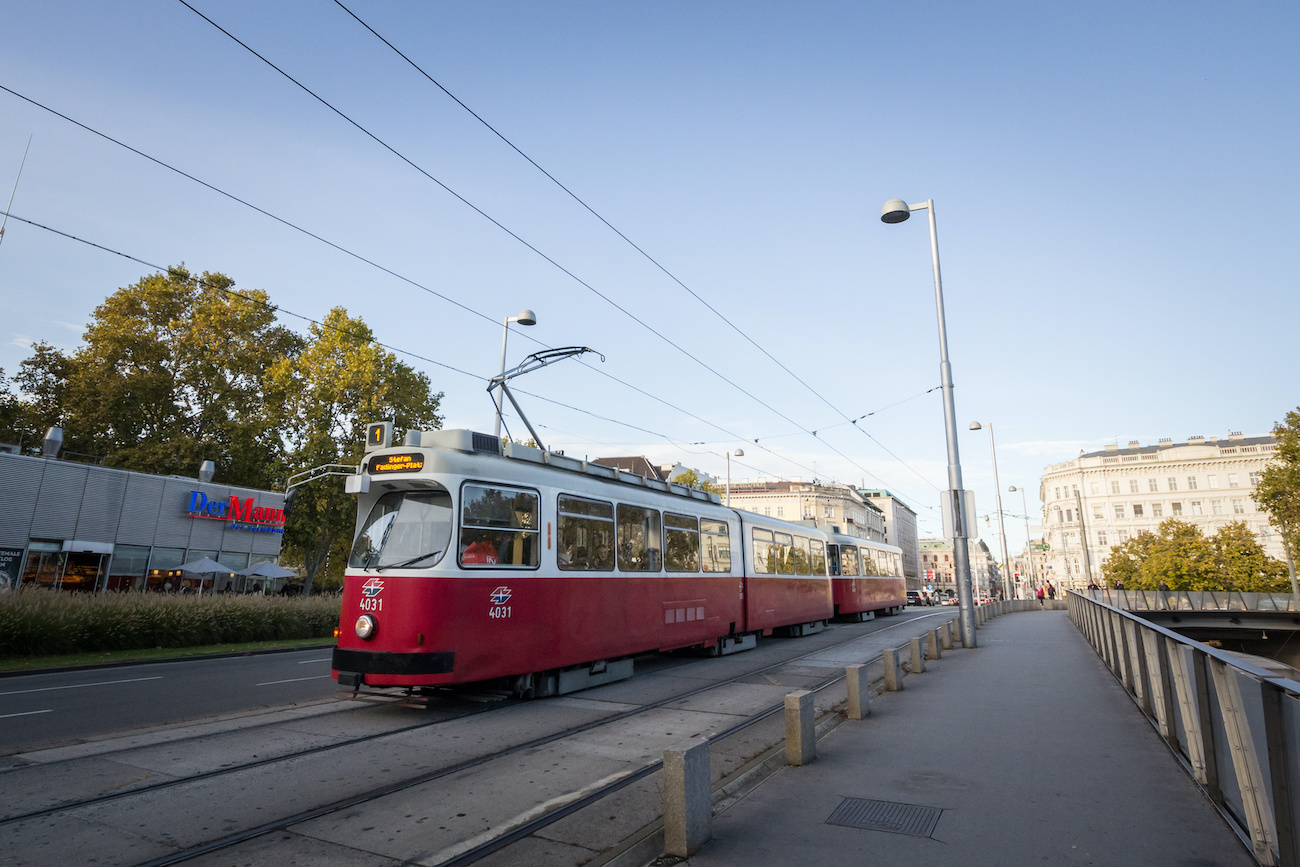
point(25, 713)
point(305, 661)
point(292, 680)
point(80, 685)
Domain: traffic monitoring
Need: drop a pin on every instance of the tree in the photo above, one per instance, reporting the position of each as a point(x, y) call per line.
point(692, 479)
point(1278, 490)
point(1181, 557)
point(170, 374)
point(1242, 564)
point(328, 392)
point(1124, 565)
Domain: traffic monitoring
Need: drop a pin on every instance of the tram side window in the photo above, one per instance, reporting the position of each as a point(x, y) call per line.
point(764, 552)
point(849, 559)
point(784, 554)
point(833, 552)
point(498, 528)
point(716, 541)
point(801, 562)
point(586, 535)
point(638, 539)
point(818, 554)
point(681, 543)
point(869, 566)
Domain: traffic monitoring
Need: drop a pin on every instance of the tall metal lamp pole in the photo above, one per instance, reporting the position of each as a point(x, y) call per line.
point(1029, 541)
point(896, 211)
point(525, 317)
point(1002, 528)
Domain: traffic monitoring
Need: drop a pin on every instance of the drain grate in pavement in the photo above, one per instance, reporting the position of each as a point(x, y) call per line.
point(886, 816)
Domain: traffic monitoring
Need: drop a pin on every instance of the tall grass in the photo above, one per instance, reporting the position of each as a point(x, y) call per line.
point(39, 622)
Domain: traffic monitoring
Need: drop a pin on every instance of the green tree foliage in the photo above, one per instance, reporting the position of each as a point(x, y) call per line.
point(328, 392)
point(1179, 555)
point(692, 479)
point(1278, 491)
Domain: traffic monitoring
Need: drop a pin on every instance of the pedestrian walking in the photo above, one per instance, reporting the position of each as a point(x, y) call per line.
point(1051, 590)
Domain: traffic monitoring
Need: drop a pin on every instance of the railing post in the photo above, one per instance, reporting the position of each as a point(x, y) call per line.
point(893, 669)
point(1245, 762)
point(1165, 692)
point(800, 732)
point(1206, 726)
point(932, 648)
point(859, 688)
point(1189, 705)
point(688, 803)
point(945, 634)
point(1279, 772)
point(918, 655)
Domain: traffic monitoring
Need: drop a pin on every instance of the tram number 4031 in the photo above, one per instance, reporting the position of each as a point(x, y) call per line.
point(372, 604)
point(499, 612)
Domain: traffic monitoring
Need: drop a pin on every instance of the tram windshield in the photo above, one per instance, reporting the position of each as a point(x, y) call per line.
point(404, 528)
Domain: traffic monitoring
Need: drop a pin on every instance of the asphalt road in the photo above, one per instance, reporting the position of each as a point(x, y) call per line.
point(61, 706)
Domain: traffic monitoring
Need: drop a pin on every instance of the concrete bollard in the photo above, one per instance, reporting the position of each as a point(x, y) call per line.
point(859, 685)
point(688, 802)
point(933, 649)
point(945, 631)
point(918, 654)
point(800, 732)
point(893, 669)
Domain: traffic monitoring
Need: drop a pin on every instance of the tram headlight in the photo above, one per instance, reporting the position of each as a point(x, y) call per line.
point(366, 627)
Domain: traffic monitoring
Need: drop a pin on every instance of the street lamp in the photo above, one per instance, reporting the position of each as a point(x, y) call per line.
point(896, 211)
point(1029, 548)
point(1011, 589)
point(740, 453)
point(525, 317)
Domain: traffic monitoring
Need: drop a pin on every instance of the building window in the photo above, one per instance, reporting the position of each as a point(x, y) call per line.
point(1176, 509)
point(1069, 516)
point(1196, 507)
point(1096, 489)
point(767, 510)
point(1114, 487)
point(1191, 483)
point(1238, 506)
point(1157, 510)
point(1213, 481)
point(780, 511)
point(1132, 486)
point(1098, 511)
point(1058, 493)
point(1173, 483)
point(1101, 537)
point(1153, 485)
point(1254, 479)
point(1137, 510)
point(1216, 507)
point(1232, 480)
point(1123, 537)
point(828, 512)
point(1119, 511)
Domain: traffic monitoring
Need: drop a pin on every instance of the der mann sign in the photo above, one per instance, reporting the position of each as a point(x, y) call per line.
point(243, 514)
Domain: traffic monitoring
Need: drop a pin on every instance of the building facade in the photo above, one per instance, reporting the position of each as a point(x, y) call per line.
point(74, 526)
point(826, 506)
point(900, 531)
point(939, 574)
point(1101, 499)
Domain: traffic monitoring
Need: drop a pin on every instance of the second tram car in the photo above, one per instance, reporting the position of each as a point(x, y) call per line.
point(547, 574)
point(867, 577)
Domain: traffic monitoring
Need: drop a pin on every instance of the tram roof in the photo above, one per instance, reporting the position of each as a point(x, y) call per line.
point(461, 440)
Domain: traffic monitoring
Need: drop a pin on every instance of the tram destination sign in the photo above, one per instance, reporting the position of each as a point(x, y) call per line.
point(403, 462)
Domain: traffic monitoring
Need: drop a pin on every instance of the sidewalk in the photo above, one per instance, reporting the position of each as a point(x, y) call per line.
point(1030, 748)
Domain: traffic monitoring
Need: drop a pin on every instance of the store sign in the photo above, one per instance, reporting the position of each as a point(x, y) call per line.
point(11, 560)
point(243, 514)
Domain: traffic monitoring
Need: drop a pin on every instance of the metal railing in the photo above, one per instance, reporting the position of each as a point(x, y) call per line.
point(1195, 600)
point(1235, 726)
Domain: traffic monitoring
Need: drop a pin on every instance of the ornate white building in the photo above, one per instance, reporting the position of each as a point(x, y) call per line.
point(1105, 498)
point(837, 506)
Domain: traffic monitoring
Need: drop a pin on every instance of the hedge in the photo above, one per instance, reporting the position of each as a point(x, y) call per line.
point(38, 622)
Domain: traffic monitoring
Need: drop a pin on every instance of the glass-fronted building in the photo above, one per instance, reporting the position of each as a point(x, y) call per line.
point(75, 526)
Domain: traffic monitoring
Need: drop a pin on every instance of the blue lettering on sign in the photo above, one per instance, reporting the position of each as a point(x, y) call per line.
point(198, 501)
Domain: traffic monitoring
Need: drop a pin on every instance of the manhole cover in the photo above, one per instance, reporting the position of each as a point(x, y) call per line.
point(886, 816)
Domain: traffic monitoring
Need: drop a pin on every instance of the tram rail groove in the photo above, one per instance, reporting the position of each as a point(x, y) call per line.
point(490, 846)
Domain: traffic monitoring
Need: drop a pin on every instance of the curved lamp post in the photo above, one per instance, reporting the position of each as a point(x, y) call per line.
point(740, 453)
point(1002, 527)
point(525, 317)
point(896, 211)
point(1029, 548)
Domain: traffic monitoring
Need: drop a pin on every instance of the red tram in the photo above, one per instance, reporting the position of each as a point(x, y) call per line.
point(867, 577)
point(547, 574)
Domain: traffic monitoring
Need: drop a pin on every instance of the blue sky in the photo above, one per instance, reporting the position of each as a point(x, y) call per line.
point(1115, 184)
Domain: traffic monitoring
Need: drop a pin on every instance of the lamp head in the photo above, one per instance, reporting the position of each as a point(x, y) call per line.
point(895, 211)
point(740, 453)
point(976, 426)
point(1012, 489)
point(525, 317)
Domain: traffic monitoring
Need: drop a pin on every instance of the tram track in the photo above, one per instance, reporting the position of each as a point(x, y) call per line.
point(378, 793)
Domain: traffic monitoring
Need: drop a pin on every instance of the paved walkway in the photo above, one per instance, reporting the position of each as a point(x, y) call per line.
point(1030, 748)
